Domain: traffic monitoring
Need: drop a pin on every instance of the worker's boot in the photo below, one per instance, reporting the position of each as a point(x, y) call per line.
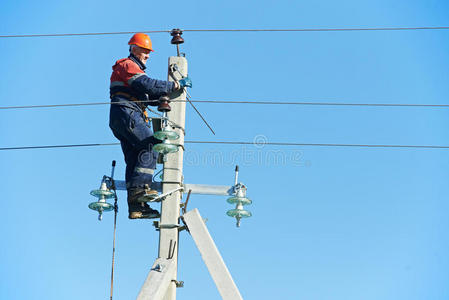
point(140, 210)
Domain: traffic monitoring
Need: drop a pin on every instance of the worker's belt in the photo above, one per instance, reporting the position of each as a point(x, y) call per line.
point(129, 97)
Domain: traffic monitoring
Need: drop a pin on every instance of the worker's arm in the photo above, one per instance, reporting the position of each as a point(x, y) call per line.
point(141, 83)
point(153, 87)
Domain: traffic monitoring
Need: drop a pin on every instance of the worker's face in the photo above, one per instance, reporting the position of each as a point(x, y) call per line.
point(142, 54)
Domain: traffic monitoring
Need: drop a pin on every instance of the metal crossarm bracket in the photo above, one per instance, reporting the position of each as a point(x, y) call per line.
point(201, 189)
point(163, 196)
point(158, 226)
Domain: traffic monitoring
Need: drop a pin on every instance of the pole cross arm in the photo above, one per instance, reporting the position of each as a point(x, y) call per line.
point(205, 189)
point(201, 189)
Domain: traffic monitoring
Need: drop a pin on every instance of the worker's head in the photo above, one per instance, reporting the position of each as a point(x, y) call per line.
point(141, 46)
point(141, 53)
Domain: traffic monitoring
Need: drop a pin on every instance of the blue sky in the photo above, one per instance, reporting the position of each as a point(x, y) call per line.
point(328, 223)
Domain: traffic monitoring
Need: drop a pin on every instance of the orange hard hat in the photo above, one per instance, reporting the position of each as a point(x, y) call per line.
point(142, 40)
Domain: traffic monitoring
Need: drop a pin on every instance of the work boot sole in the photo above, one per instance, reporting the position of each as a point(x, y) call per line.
point(140, 215)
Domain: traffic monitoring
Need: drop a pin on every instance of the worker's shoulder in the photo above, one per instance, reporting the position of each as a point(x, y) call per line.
point(128, 64)
point(124, 62)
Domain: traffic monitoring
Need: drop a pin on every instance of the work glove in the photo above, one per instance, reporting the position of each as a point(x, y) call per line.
point(185, 82)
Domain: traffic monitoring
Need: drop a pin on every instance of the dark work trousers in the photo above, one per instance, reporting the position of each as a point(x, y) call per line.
point(136, 138)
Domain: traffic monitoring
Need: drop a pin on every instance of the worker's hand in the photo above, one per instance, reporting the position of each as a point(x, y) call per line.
point(185, 82)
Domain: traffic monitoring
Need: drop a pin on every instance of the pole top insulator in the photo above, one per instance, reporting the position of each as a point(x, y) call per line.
point(176, 34)
point(164, 105)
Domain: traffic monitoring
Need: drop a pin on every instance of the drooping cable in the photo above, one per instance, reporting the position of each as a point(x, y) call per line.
point(113, 187)
point(175, 68)
point(164, 117)
point(113, 242)
point(188, 97)
point(155, 175)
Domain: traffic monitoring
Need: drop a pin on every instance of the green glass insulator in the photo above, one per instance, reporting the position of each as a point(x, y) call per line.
point(239, 213)
point(166, 134)
point(165, 148)
point(102, 193)
point(101, 206)
point(242, 200)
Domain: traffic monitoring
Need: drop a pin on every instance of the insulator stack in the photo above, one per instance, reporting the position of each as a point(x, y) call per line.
point(239, 200)
point(103, 193)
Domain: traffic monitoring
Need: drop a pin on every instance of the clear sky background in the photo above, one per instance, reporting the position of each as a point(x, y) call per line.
point(329, 223)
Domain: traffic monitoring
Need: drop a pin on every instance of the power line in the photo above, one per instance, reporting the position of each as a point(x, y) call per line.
point(256, 144)
point(79, 34)
point(53, 105)
point(227, 30)
point(319, 103)
point(242, 102)
point(316, 29)
point(58, 146)
point(261, 144)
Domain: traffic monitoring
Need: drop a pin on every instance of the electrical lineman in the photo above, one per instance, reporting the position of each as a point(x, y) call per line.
point(131, 91)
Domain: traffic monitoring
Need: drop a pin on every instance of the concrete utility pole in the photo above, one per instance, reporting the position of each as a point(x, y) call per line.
point(170, 209)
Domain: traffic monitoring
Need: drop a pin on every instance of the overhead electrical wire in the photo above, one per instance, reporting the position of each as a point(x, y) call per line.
point(318, 29)
point(79, 34)
point(227, 30)
point(58, 146)
point(258, 145)
point(317, 103)
point(243, 102)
